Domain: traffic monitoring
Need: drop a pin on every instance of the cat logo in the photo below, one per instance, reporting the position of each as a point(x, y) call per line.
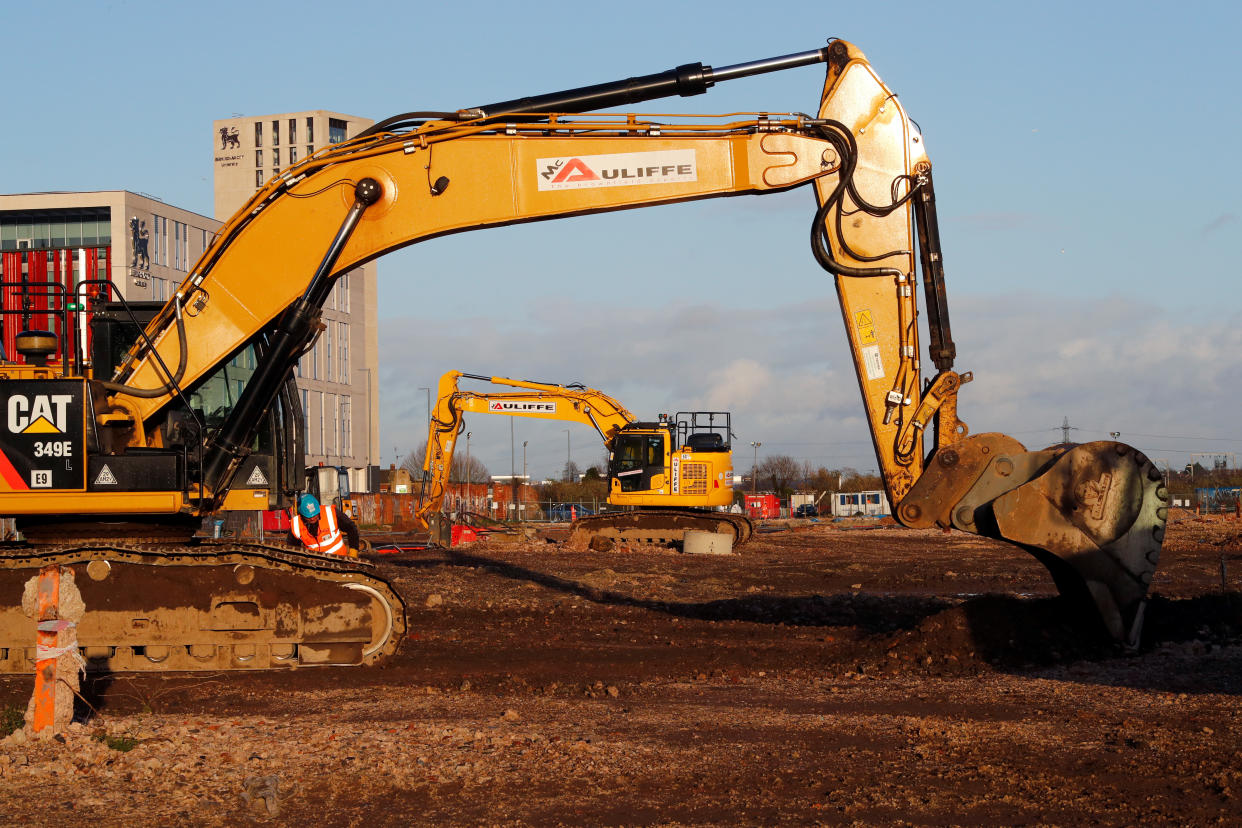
point(45, 415)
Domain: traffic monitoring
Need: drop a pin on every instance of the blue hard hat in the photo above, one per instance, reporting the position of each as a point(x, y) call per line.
point(308, 507)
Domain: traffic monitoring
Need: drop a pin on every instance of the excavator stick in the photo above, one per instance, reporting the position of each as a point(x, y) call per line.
point(1093, 514)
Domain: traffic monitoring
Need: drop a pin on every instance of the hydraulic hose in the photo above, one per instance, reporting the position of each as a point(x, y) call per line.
point(174, 381)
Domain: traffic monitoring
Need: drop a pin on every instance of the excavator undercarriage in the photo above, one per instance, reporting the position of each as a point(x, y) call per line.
point(209, 605)
point(661, 526)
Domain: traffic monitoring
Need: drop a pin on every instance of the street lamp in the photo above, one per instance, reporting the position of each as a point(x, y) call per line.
point(468, 469)
point(428, 390)
point(524, 481)
point(754, 469)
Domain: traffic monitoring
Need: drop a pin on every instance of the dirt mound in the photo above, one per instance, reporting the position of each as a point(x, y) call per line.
point(996, 632)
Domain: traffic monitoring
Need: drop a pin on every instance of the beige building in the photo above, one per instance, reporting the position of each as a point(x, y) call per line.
point(338, 378)
point(146, 247)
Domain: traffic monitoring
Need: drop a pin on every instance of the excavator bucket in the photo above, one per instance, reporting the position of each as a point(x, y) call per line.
point(1096, 518)
point(1093, 514)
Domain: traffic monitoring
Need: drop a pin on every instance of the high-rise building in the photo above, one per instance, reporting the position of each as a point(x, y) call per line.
point(338, 379)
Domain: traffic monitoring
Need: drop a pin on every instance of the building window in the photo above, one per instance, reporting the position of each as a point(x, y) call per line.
point(342, 339)
point(275, 133)
point(258, 133)
point(258, 158)
point(345, 293)
point(314, 355)
point(276, 157)
point(347, 448)
point(305, 415)
point(336, 425)
point(293, 155)
point(154, 252)
point(310, 131)
point(310, 150)
point(336, 130)
point(323, 416)
point(329, 374)
point(258, 178)
point(293, 130)
point(275, 173)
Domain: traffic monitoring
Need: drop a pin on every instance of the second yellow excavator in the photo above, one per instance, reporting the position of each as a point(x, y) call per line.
point(668, 477)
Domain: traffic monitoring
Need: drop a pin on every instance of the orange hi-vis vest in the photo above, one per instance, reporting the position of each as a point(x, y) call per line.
point(330, 540)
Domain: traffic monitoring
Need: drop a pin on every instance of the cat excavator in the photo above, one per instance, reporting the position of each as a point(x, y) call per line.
point(674, 473)
point(110, 467)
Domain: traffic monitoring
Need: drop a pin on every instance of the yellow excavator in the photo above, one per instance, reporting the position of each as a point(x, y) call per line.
point(110, 466)
point(674, 472)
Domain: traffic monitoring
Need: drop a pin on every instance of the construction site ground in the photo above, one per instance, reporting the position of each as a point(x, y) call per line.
point(827, 673)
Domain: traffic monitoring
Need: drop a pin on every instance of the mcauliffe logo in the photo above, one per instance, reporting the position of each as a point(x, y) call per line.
point(616, 170)
point(533, 407)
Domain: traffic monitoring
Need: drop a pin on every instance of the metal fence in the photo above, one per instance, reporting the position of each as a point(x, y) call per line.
point(397, 510)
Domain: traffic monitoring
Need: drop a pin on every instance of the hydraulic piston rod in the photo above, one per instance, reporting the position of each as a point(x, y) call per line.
point(687, 79)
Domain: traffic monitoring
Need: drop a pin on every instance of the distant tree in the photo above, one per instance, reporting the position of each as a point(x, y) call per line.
point(781, 472)
point(570, 472)
point(413, 463)
point(591, 473)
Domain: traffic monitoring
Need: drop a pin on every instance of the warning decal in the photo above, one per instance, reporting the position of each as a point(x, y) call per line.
point(873, 364)
point(256, 478)
point(866, 327)
point(619, 169)
point(105, 477)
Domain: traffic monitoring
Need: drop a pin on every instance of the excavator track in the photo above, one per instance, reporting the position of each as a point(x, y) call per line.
point(660, 526)
point(213, 605)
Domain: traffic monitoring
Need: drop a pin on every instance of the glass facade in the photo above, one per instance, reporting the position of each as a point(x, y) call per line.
point(336, 130)
point(52, 229)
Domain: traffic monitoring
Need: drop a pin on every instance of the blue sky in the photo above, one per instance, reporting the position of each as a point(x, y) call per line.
point(1082, 167)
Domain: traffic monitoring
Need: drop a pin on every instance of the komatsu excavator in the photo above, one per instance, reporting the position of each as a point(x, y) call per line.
point(674, 471)
point(110, 468)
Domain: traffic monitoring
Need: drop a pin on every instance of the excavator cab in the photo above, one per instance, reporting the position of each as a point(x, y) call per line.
point(330, 484)
point(683, 461)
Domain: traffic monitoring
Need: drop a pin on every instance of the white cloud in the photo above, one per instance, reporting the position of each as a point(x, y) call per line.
point(786, 375)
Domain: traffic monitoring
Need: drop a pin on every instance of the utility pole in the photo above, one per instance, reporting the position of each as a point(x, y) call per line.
point(524, 480)
point(468, 470)
point(569, 457)
point(754, 469)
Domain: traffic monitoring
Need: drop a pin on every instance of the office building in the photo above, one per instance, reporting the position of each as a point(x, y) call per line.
point(338, 379)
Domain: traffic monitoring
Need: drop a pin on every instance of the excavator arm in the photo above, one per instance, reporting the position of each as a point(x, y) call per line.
point(1094, 514)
